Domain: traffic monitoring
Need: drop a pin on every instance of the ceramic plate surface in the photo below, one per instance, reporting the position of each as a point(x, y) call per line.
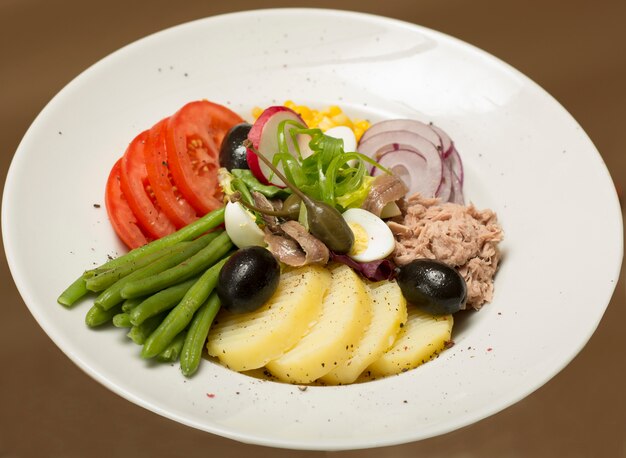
point(525, 157)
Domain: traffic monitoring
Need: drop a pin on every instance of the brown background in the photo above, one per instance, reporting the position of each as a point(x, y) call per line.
point(576, 50)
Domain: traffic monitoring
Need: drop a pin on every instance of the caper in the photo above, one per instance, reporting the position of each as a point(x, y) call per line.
point(291, 206)
point(325, 222)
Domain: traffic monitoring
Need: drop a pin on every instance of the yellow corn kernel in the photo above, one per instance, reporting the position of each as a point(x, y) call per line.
point(334, 110)
point(325, 123)
point(341, 120)
point(361, 124)
point(256, 112)
point(303, 111)
point(324, 119)
point(359, 128)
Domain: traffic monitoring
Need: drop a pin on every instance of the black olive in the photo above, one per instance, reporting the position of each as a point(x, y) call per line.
point(433, 286)
point(248, 279)
point(233, 154)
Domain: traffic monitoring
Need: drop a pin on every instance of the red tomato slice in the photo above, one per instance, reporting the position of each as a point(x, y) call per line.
point(194, 137)
point(171, 201)
point(138, 192)
point(121, 216)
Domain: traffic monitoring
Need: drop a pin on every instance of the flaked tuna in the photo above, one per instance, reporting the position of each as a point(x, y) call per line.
point(461, 236)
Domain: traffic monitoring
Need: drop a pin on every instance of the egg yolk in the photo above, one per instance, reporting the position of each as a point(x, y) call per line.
point(361, 239)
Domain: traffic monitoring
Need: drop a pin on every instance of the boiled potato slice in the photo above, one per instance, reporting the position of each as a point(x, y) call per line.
point(420, 340)
point(250, 340)
point(346, 313)
point(388, 316)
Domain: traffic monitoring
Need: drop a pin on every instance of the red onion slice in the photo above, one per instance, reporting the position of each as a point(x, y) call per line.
point(407, 125)
point(412, 158)
point(446, 141)
point(456, 194)
point(411, 168)
point(456, 165)
point(422, 155)
point(445, 189)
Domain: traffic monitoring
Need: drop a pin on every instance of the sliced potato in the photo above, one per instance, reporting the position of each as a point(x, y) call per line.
point(388, 316)
point(346, 313)
point(250, 340)
point(420, 340)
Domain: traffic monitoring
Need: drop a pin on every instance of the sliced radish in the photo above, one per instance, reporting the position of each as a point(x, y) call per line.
point(409, 125)
point(423, 171)
point(303, 144)
point(264, 137)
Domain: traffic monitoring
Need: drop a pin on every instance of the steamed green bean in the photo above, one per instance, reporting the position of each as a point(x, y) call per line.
point(197, 263)
point(112, 295)
point(197, 335)
point(180, 316)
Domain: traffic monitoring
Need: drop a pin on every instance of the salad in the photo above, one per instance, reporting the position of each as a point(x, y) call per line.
point(305, 247)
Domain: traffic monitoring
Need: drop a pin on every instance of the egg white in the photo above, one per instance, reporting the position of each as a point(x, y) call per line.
point(343, 133)
point(379, 242)
point(241, 226)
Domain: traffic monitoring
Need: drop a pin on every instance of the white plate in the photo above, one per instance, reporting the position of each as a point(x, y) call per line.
point(525, 157)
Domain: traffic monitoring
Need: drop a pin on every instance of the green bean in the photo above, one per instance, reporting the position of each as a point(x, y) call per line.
point(140, 333)
point(239, 185)
point(74, 292)
point(180, 316)
point(130, 304)
point(112, 295)
point(171, 352)
point(97, 316)
point(202, 260)
point(122, 320)
point(193, 230)
point(190, 232)
point(102, 279)
point(159, 302)
point(252, 184)
point(197, 335)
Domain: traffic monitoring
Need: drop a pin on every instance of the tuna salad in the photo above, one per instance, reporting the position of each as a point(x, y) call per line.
point(461, 236)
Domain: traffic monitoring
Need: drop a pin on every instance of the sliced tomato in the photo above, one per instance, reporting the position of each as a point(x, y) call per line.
point(138, 192)
point(121, 216)
point(194, 137)
point(169, 198)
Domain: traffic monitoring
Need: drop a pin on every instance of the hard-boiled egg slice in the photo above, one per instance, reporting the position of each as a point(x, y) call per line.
point(372, 237)
point(241, 226)
point(343, 133)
